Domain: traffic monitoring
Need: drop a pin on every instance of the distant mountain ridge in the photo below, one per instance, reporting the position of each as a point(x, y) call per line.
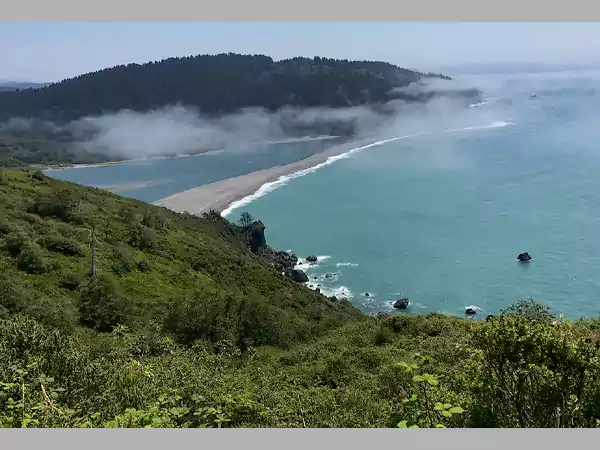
point(216, 84)
point(16, 85)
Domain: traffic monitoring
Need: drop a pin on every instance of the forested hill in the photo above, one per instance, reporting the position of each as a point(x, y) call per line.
point(215, 84)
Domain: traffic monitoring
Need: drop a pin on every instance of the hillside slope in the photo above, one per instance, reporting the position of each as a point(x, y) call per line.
point(192, 276)
point(182, 326)
point(215, 84)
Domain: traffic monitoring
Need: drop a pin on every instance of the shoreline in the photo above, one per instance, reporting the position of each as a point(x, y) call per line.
point(52, 168)
point(223, 195)
point(123, 161)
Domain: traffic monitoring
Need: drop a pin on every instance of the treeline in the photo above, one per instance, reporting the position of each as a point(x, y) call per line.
point(215, 84)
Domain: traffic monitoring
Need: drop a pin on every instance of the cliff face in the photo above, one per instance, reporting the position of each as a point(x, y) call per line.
point(282, 261)
point(256, 234)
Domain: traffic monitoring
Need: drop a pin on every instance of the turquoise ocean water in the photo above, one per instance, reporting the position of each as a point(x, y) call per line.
point(440, 216)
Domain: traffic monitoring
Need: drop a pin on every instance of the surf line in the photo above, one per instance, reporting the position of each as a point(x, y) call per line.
point(283, 179)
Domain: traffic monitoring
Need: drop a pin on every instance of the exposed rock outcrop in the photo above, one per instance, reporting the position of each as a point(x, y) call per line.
point(312, 258)
point(298, 276)
point(256, 237)
point(524, 257)
point(401, 304)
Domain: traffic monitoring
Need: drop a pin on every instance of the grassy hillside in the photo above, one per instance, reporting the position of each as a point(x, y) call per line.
point(182, 326)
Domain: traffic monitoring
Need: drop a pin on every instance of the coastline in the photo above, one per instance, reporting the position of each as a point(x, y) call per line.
point(223, 195)
point(123, 161)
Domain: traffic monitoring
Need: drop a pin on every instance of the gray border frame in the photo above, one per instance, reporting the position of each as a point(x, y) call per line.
point(292, 439)
point(308, 10)
point(304, 11)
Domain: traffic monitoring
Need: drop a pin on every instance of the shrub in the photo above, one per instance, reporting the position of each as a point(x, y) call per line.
point(142, 237)
point(15, 242)
point(38, 175)
point(62, 245)
point(71, 281)
point(103, 306)
point(530, 310)
point(123, 262)
point(529, 374)
point(64, 205)
point(31, 259)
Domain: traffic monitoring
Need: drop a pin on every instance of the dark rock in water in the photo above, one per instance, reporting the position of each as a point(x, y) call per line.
point(315, 278)
point(312, 258)
point(524, 257)
point(298, 276)
point(329, 275)
point(367, 294)
point(401, 304)
point(470, 311)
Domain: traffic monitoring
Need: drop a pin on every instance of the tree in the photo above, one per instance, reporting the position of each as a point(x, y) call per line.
point(245, 220)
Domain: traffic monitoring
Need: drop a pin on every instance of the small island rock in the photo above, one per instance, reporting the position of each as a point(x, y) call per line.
point(401, 304)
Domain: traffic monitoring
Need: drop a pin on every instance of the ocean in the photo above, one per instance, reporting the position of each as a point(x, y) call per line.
point(438, 209)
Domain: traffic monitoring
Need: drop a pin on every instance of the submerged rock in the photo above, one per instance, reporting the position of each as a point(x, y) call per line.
point(298, 275)
point(524, 257)
point(329, 275)
point(401, 304)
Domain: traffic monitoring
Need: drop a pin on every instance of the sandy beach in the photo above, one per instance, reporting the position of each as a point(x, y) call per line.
point(221, 194)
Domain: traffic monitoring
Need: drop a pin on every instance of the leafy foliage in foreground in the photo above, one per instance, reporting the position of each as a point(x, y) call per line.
point(182, 327)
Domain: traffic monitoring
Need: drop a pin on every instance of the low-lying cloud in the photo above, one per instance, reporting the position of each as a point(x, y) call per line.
point(179, 129)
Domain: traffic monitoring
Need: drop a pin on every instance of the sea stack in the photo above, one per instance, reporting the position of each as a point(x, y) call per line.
point(401, 304)
point(312, 258)
point(524, 257)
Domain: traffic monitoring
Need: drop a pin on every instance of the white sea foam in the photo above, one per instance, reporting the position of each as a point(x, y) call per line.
point(475, 105)
point(283, 180)
point(339, 292)
point(346, 264)
point(303, 264)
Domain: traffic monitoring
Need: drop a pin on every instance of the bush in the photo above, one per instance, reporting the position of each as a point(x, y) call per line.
point(38, 175)
point(12, 296)
point(103, 306)
point(31, 260)
point(530, 310)
point(64, 205)
point(532, 375)
point(143, 265)
point(62, 245)
point(123, 262)
point(142, 237)
point(71, 281)
point(15, 242)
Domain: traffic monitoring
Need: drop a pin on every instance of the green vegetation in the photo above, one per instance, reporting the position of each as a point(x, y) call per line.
point(215, 84)
point(179, 325)
point(36, 123)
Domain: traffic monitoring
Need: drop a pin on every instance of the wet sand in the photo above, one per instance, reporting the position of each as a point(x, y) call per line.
point(219, 195)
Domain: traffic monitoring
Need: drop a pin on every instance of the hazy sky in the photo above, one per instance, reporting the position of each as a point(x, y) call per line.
point(53, 51)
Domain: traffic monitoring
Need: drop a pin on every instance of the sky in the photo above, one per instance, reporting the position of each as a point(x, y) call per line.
point(48, 52)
